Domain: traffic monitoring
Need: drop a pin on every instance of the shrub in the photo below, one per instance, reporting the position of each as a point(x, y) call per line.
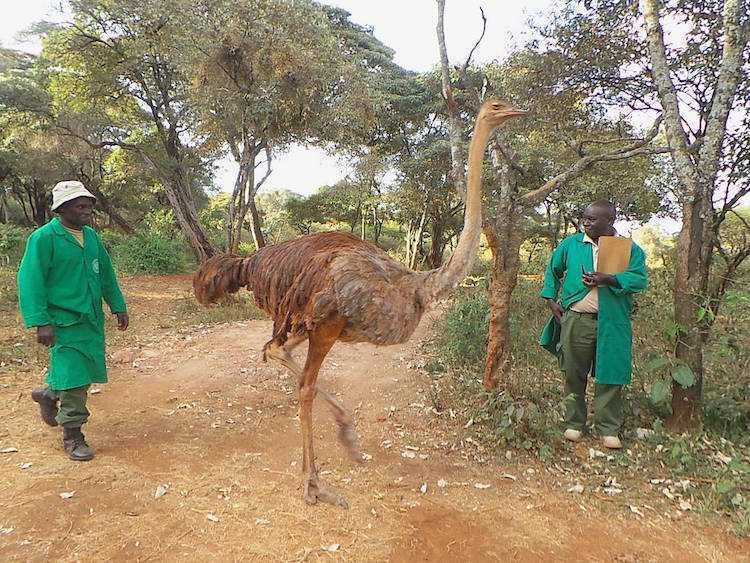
point(12, 243)
point(149, 253)
point(462, 337)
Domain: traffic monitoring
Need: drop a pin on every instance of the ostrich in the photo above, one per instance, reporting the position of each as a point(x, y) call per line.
point(329, 287)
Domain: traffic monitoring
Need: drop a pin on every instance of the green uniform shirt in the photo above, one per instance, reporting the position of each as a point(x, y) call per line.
point(563, 280)
point(63, 283)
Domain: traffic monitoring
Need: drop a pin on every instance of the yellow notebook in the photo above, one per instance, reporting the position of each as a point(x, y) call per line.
point(614, 254)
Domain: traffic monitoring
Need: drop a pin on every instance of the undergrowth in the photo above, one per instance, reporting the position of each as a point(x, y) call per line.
point(713, 466)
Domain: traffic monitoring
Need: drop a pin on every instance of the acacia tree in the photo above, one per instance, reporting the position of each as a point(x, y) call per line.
point(696, 75)
point(264, 72)
point(116, 66)
point(561, 140)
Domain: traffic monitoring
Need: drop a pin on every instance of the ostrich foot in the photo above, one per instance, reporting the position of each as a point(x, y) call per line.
point(316, 491)
point(350, 440)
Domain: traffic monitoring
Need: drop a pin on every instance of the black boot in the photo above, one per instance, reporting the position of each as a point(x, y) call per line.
point(75, 445)
point(47, 404)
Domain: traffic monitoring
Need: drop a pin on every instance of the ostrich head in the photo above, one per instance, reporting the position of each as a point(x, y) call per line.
point(216, 277)
point(494, 112)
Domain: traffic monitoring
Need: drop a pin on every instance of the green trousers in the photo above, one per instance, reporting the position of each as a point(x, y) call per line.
point(72, 411)
point(577, 359)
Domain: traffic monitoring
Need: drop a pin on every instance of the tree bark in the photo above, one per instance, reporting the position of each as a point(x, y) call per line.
point(504, 240)
point(437, 245)
point(255, 224)
point(455, 128)
point(106, 206)
point(180, 198)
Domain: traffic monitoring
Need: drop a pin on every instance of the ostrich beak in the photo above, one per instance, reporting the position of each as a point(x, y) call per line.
point(515, 112)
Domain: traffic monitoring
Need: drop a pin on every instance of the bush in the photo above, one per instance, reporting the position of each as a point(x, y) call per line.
point(462, 337)
point(12, 243)
point(148, 253)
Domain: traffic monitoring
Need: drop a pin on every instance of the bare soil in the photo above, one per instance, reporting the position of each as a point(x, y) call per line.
point(193, 410)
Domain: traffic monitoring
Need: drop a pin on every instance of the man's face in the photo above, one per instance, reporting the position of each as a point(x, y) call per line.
point(77, 212)
point(597, 221)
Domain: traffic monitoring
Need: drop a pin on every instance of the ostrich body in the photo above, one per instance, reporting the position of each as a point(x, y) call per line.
point(333, 286)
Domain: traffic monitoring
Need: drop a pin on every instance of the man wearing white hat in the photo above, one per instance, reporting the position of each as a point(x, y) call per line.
point(64, 275)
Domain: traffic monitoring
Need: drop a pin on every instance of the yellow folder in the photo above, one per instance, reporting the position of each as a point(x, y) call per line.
point(614, 254)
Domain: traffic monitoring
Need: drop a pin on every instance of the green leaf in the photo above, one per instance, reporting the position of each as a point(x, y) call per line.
point(656, 364)
point(683, 375)
point(702, 313)
point(660, 392)
point(723, 487)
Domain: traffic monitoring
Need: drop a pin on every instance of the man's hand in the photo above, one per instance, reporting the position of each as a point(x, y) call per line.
point(45, 335)
point(122, 321)
point(594, 279)
point(556, 308)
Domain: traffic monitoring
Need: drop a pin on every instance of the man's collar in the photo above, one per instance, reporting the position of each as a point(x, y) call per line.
point(588, 239)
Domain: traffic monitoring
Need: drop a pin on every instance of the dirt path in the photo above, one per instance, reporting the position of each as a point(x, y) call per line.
point(194, 411)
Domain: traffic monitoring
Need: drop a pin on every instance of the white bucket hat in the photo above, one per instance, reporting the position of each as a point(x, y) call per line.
point(65, 191)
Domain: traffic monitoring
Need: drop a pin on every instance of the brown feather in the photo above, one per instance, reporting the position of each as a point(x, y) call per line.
point(303, 282)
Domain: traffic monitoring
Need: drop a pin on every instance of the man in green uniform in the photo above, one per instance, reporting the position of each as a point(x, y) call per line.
point(64, 274)
point(590, 330)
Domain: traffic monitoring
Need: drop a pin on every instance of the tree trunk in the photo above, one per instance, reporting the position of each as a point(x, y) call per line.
point(106, 206)
point(255, 224)
point(180, 198)
point(504, 239)
point(437, 244)
point(690, 283)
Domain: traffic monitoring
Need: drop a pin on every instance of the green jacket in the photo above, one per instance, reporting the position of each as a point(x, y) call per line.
point(63, 284)
point(614, 331)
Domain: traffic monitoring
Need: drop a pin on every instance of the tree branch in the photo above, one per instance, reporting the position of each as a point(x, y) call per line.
point(666, 90)
point(638, 148)
point(466, 64)
point(455, 126)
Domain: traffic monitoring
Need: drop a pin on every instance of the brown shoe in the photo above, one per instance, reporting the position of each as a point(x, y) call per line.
point(74, 443)
point(47, 404)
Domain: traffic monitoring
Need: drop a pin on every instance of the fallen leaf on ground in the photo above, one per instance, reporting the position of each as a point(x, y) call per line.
point(8, 450)
point(26, 465)
point(509, 476)
point(576, 489)
point(643, 433)
point(67, 495)
point(481, 486)
point(635, 510)
point(212, 517)
point(667, 493)
point(161, 490)
point(334, 547)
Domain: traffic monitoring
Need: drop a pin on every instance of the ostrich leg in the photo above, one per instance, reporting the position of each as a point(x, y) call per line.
point(321, 341)
point(347, 434)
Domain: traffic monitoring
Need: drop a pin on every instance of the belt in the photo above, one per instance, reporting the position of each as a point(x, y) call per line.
point(592, 315)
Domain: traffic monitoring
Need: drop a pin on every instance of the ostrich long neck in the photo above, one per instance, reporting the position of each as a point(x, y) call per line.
point(447, 277)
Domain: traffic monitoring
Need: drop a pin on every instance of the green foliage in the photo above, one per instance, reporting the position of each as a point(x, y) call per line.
point(462, 336)
point(12, 242)
point(148, 253)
